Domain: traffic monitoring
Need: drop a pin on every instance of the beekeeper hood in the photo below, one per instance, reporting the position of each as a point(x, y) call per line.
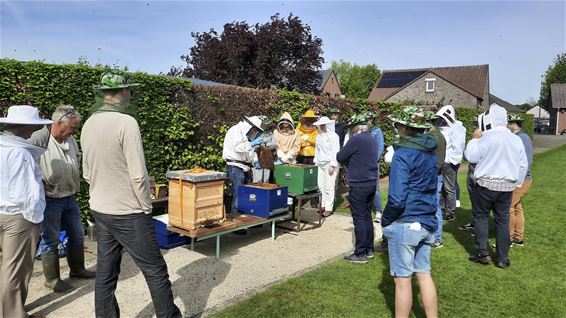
point(252, 127)
point(285, 119)
point(448, 114)
point(495, 116)
point(325, 121)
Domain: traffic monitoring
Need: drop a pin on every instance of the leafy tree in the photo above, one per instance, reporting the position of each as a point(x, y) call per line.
point(356, 81)
point(554, 74)
point(281, 53)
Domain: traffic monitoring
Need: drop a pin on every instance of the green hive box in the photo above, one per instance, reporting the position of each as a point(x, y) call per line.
point(297, 177)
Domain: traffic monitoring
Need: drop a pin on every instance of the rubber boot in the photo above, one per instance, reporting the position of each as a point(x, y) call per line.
point(76, 260)
point(52, 274)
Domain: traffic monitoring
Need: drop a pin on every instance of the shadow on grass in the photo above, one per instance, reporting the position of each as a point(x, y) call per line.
point(464, 237)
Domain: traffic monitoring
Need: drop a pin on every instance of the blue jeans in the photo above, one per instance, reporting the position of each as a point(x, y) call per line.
point(361, 200)
point(61, 214)
point(438, 208)
point(409, 249)
point(134, 233)
point(238, 177)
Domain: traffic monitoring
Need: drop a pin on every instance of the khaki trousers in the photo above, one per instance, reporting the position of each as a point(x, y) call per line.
point(18, 242)
point(516, 215)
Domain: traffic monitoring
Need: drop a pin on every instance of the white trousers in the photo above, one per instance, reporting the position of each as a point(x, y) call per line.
point(327, 186)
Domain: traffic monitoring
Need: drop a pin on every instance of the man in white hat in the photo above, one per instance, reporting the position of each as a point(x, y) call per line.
point(60, 167)
point(22, 201)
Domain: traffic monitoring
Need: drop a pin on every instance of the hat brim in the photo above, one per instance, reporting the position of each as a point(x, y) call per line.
point(357, 123)
point(38, 122)
point(102, 87)
point(320, 123)
point(409, 124)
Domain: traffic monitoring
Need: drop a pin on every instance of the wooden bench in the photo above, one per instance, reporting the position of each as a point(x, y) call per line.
point(234, 222)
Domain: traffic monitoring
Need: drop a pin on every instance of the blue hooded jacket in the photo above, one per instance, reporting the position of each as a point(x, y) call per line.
point(412, 183)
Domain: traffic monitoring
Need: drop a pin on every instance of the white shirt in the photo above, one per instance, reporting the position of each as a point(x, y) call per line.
point(500, 156)
point(327, 146)
point(21, 189)
point(455, 136)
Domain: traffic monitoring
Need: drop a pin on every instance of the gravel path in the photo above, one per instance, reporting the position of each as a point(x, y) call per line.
point(202, 284)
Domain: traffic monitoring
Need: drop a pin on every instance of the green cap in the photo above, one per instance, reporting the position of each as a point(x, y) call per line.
point(430, 116)
point(333, 110)
point(114, 79)
point(358, 119)
point(410, 116)
point(514, 118)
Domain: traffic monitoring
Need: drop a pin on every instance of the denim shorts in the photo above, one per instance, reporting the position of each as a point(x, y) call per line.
point(409, 249)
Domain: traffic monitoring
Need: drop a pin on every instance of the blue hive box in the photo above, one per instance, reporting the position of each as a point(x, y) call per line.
point(167, 239)
point(262, 199)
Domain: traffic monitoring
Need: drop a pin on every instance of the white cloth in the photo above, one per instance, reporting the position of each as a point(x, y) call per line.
point(21, 189)
point(327, 146)
point(60, 164)
point(499, 155)
point(455, 135)
point(237, 146)
point(327, 184)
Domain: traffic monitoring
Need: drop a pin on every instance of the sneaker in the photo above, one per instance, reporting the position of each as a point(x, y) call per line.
point(356, 259)
point(482, 259)
point(457, 203)
point(494, 245)
point(437, 244)
point(370, 255)
point(502, 264)
point(467, 227)
point(517, 242)
point(449, 217)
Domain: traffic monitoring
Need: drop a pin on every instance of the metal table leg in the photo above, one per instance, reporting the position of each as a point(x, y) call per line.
point(273, 230)
point(193, 239)
point(217, 246)
point(299, 201)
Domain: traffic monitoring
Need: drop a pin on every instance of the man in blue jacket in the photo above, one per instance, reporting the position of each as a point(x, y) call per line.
point(409, 219)
point(359, 155)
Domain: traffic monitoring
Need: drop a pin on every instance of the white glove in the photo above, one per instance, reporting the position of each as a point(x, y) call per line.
point(285, 158)
point(280, 154)
point(389, 154)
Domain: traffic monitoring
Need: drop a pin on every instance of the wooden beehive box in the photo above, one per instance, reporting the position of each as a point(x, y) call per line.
point(195, 199)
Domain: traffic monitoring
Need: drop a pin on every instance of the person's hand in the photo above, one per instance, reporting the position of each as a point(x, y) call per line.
point(256, 142)
point(476, 134)
point(48, 187)
point(257, 165)
point(331, 170)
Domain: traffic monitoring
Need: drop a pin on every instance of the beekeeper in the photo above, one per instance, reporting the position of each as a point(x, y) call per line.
point(239, 144)
point(287, 138)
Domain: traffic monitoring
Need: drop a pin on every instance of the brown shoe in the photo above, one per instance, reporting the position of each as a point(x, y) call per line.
point(321, 211)
point(327, 213)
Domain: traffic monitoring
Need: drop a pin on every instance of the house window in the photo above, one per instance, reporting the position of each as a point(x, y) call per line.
point(429, 88)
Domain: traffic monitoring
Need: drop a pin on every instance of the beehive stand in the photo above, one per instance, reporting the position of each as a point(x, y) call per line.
point(234, 222)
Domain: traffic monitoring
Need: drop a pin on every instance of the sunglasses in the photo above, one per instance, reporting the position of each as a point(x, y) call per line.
point(70, 113)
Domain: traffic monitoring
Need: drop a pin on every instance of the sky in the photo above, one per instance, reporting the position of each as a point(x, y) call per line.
point(518, 39)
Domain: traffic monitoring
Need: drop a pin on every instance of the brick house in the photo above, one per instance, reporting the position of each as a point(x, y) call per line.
point(558, 109)
point(462, 86)
point(329, 85)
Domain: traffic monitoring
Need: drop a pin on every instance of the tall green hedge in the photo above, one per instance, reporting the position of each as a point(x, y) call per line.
point(182, 125)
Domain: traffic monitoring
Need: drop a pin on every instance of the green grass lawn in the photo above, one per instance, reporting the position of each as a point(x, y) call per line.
point(534, 285)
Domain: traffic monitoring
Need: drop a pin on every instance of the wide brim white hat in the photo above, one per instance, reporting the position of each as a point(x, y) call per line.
point(323, 121)
point(24, 115)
